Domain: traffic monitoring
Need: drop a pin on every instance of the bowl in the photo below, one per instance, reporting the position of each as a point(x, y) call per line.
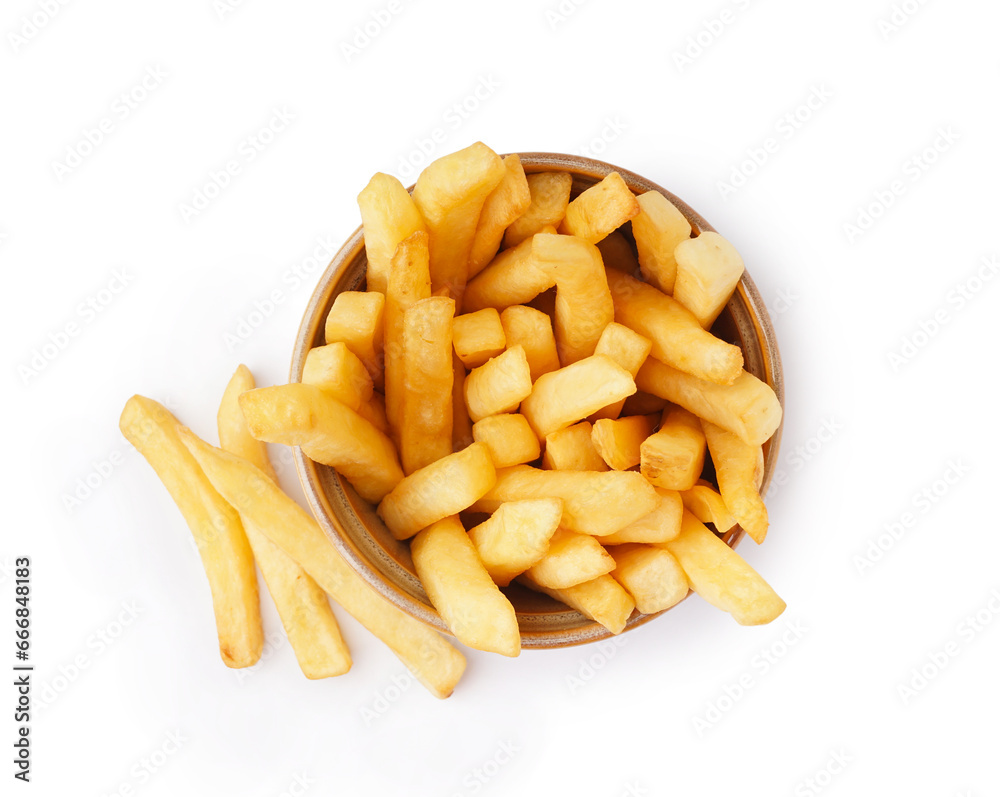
point(361, 536)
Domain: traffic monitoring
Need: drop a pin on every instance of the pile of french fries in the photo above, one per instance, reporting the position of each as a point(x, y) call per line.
point(527, 391)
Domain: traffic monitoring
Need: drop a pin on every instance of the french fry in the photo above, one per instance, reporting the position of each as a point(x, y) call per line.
point(532, 330)
point(509, 439)
point(389, 216)
point(435, 663)
point(627, 348)
point(593, 503)
point(570, 560)
point(356, 319)
point(501, 209)
point(707, 505)
point(616, 252)
point(561, 398)
point(660, 525)
point(677, 337)
point(337, 371)
point(459, 587)
point(572, 448)
point(708, 270)
point(445, 487)
point(218, 533)
point(461, 423)
point(478, 337)
point(618, 441)
point(328, 432)
point(449, 194)
point(721, 576)
point(600, 209)
point(499, 386)
point(603, 600)
point(549, 193)
point(302, 606)
point(748, 407)
point(674, 457)
point(514, 277)
point(516, 536)
point(658, 228)
point(651, 575)
point(739, 469)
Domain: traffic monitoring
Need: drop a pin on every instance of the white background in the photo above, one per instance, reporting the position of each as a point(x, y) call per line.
point(865, 432)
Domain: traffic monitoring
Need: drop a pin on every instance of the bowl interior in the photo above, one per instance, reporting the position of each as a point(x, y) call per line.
point(360, 535)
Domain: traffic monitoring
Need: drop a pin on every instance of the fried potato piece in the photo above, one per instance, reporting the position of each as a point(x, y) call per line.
point(532, 330)
point(502, 208)
point(721, 576)
point(435, 663)
point(572, 448)
point(549, 193)
point(674, 457)
point(707, 505)
point(658, 228)
point(739, 469)
point(509, 439)
point(748, 407)
point(571, 559)
point(616, 252)
point(627, 348)
point(389, 216)
point(618, 441)
point(357, 319)
point(499, 386)
point(708, 270)
point(600, 209)
point(218, 533)
point(443, 488)
point(328, 432)
point(660, 525)
point(461, 423)
point(337, 371)
point(603, 600)
point(516, 536)
point(651, 575)
point(478, 337)
point(461, 590)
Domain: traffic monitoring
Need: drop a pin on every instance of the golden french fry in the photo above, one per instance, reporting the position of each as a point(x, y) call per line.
point(509, 439)
point(516, 536)
point(561, 398)
point(338, 371)
point(618, 441)
point(748, 407)
point(218, 533)
point(627, 348)
point(499, 386)
point(572, 448)
point(708, 270)
point(600, 209)
point(461, 590)
point(501, 209)
point(707, 505)
point(602, 599)
point(302, 606)
point(328, 432)
point(677, 337)
point(435, 663)
point(450, 194)
point(532, 330)
point(461, 423)
point(658, 228)
point(593, 503)
point(570, 560)
point(721, 576)
point(549, 192)
point(660, 525)
point(389, 216)
point(445, 487)
point(674, 457)
point(739, 469)
point(356, 319)
point(478, 337)
point(616, 252)
point(651, 575)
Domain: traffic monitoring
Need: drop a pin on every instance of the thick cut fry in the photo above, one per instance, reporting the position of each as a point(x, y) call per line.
point(678, 339)
point(707, 505)
point(328, 432)
point(502, 208)
point(627, 348)
point(218, 533)
point(516, 536)
point(600, 209)
point(478, 337)
point(450, 194)
point(603, 600)
point(673, 458)
point(532, 330)
point(708, 269)
point(572, 448)
point(748, 407)
point(651, 575)
point(593, 503)
point(658, 228)
point(616, 252)
point(356, 319)
point(561, 398)
point(336, 370)
point(721, 576)
point(389, 216)
point(443, 488)
point(461, 423)
point(549, 192)
point(303, 607)
point(571, 559)
point(739, 469)
point(435, 663)
point(660, 525)
point(618, 441)
point(509, 439)
point(499, 386)
point(425, 431)
point(459, 587)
